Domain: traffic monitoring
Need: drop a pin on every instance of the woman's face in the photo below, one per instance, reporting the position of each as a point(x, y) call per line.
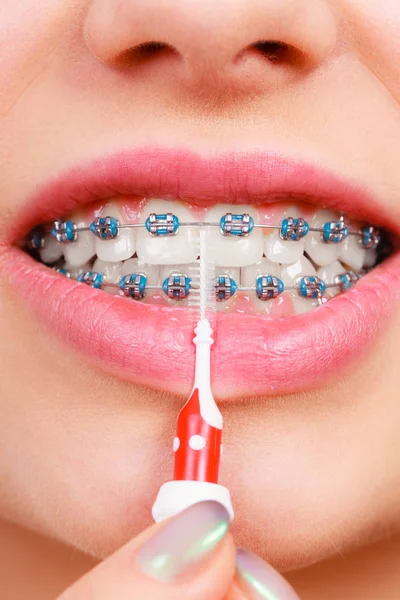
point(282, 106)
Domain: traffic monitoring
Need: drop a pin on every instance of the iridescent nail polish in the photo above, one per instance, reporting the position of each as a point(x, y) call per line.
point(260, 581)
point(184, 543)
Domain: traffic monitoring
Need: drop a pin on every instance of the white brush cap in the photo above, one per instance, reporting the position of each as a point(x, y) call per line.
point(175, 496)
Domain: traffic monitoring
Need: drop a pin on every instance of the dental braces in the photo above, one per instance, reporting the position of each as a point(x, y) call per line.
point(230, 225)
point(179, 285)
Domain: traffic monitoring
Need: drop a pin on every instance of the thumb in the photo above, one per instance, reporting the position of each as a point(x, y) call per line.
point(190, 556)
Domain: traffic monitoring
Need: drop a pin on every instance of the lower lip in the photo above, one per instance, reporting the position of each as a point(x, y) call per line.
point(152, 345)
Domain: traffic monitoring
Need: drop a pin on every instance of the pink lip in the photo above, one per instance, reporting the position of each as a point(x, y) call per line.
point(152, 345)
point(233, 178)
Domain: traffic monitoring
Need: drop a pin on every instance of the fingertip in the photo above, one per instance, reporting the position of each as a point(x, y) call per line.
point(191, 556)
point(258, 580)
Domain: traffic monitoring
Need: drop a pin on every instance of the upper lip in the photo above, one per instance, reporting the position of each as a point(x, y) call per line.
point(252, 178)
point(150, 344)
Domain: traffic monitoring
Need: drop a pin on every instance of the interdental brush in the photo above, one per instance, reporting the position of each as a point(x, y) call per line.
point(197, 445)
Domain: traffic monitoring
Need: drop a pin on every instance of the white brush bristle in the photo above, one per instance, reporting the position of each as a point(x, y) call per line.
point(202, 295)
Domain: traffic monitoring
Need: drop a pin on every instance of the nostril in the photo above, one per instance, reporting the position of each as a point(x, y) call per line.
point(150, 49)
point(272, 50)
point(278, 52)
point(146, 51)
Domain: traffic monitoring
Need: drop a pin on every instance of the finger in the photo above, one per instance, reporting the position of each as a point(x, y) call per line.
point(235, 593)
point(190, 556)
point(259, 581)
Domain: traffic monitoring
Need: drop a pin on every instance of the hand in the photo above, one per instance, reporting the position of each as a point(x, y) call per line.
point(191, 556)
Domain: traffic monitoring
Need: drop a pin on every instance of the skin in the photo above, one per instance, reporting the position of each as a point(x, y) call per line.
point(73, 465)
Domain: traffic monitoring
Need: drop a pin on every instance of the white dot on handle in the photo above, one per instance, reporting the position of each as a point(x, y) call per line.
point(197, 442)
point(176, 444)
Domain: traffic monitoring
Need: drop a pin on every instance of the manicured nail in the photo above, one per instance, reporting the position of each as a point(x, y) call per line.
point(183, 545)
point(260, 581)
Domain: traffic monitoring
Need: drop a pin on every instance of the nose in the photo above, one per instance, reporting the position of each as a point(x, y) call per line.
point(215, 40)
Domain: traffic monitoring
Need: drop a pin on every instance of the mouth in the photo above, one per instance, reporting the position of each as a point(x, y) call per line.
point(307, 267)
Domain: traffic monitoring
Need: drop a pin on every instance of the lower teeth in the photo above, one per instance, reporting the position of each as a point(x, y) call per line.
point(178, 286)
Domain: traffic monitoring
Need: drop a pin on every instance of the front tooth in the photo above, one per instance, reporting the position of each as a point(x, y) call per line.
point(328, 275)
point(352, 253)
point(134, 265)
point(290, 275)
point(233, 273)
point(183, 269)
point(52, 250)
point(320, 252)
point(249, 276)
point(76, 271)
point(181, 248)
point(303, 305)
point(262, 267)
point(233, 251)
point(79, 252)
point(281, 251)
point(166, 271)
point(112, 272)
point(120, 248)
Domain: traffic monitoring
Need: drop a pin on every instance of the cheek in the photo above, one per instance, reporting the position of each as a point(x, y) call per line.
point(29, 33)
point(315, 475)
point(81, 454)
point(377, 25)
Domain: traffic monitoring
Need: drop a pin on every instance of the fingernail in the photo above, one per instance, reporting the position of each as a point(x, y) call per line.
point(260, 581)
point(184, 544)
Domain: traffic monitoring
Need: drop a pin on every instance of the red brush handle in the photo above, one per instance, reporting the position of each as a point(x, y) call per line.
point(197, 456)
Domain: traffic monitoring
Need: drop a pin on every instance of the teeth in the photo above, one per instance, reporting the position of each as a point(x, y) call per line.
point(181, 248)
point(328, 274)
point(249, 276)
point(76, 271)
point(281, 251)
point(112, 272)
point(185, 269)
point(290, 274)
point(303, 305)
point(320, 252)
point(168, 270)
point(370, 258)
point(240, 258)
point(81, 251)
point(263, 267)
point(52, 251)
point(134, 265)
point(352, 253)
point(233, 273)
point(120, 248)
point(234, 251)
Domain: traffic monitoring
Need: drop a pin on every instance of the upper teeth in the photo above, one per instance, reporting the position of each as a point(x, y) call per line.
point(319, 251)
point(181, 248)
point(168, 237)
point(84, 248)
point(283, 251)
point(235, 250)
point(123, 246)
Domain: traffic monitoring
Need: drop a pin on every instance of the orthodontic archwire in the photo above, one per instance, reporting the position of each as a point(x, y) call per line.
point(178, 285)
